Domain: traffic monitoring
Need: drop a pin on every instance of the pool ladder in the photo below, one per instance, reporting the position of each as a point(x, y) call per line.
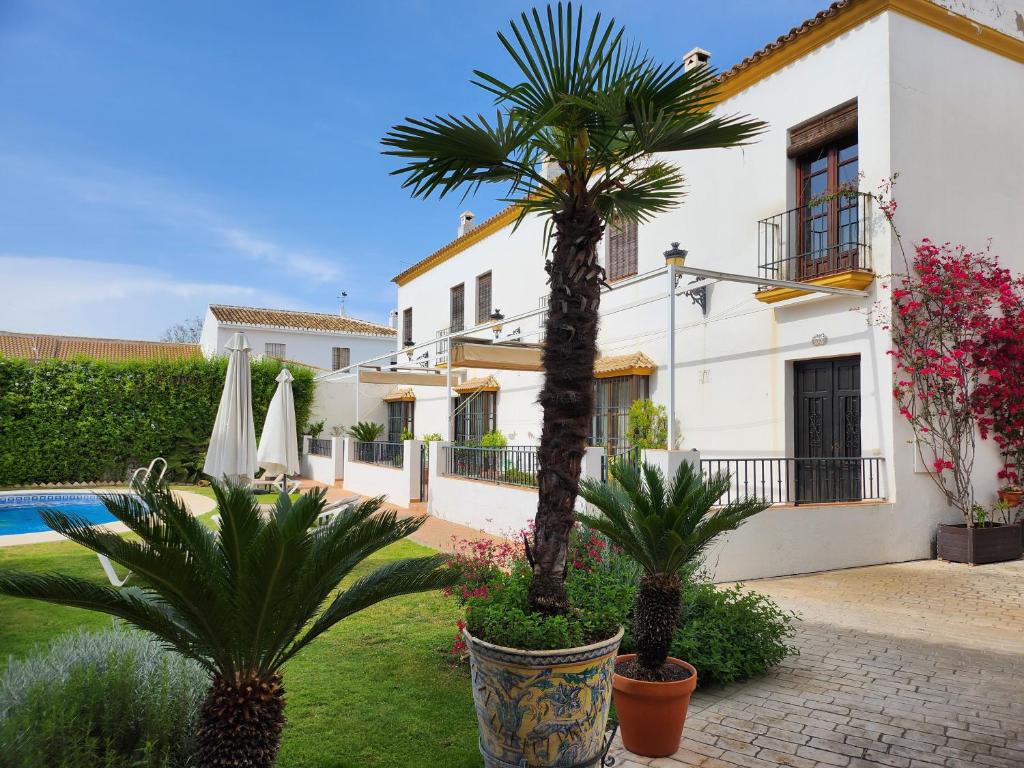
point(143, 474)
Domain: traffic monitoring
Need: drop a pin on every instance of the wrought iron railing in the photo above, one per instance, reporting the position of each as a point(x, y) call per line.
point(801, 481)
point(441, 347)
point(542, 319)
point(621, 455)
point(815, 240)
point(512, 465)
point(321, 446)
point(384, 454)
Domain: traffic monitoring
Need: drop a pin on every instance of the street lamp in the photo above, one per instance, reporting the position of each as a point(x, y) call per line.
point(675, 257)
point(496, 317)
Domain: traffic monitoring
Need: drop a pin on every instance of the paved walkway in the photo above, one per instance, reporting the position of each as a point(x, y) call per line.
point(914, 665)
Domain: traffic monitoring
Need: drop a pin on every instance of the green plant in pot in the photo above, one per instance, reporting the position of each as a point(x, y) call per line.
point(665, 528)
point(577, 139)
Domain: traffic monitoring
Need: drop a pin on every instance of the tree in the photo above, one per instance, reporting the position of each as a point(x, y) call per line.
point(242, 603)
point(186, 332)
point(599, 111)
point(648, 425)
point(665, 530)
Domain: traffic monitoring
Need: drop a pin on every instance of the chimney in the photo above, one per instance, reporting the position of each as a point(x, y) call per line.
point(393, 319)
point(550, 170)
point(465, 222)
point(697, 57)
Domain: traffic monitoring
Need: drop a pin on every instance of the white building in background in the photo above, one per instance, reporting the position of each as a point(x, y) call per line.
point(788, 390)
point(315, 339)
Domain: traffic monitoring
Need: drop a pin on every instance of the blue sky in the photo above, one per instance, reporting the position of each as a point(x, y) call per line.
point(159, 156)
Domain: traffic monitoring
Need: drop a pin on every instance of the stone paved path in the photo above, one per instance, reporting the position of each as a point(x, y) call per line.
point(914, 665)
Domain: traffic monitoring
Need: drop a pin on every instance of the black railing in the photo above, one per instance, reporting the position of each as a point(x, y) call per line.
point(320, 446)
point(384, 454)
point(800, 481)
point(622, 455)
point(512, 465)
point(815, 240)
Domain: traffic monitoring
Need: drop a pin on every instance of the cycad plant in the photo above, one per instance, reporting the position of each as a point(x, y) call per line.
point(578, 136)
point(241, 602)
point(665, 529)
point(366, 431)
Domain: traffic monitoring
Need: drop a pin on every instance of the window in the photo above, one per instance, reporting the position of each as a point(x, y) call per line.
point(475, 416)
point(407, 327)
point(400, 418)
point(340, 357)
point(612, 399)
point(622, 250)
point(274, 350)
point(483, 298)
point(458, 304)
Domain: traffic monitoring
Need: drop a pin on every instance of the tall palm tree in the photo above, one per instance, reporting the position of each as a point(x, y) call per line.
point(665, 530)
point(600, 111)
point(241, 603)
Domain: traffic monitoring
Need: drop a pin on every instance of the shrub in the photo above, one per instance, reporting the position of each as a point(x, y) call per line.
point(493, 439)
point(113, 699)
point(431, 437)
point(87, 420)
point(315, 428)
point(648, 425)
point(366, 431)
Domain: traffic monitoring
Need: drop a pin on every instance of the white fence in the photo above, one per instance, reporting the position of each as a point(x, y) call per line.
point(399, 485)
point(323, 459)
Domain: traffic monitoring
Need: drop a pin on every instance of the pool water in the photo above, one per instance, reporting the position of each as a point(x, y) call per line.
point(19, 512)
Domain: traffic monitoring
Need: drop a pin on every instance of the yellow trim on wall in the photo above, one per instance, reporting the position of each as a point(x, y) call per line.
point(768, 63)
point(854, 279)
point(625, 372)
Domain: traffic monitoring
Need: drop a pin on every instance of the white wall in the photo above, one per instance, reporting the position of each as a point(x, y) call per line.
point(323, 469)
point(399, 485)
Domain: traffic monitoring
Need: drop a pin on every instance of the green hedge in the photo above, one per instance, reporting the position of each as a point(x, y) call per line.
point(89, 420)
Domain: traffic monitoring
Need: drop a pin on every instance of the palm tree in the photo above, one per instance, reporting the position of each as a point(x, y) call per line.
point(600, 111)
point(665, 530)
point(241, 603)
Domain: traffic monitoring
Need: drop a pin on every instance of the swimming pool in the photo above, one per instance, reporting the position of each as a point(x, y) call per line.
point(19, 512)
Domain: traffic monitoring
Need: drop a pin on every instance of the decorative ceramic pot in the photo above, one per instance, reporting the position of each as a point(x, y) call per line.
point(1013, 498)
point(980, 544)
point(651, 715)
point(542, 708)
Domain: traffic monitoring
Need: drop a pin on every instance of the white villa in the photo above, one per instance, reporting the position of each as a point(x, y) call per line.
point(315, 339)
point(788, 389)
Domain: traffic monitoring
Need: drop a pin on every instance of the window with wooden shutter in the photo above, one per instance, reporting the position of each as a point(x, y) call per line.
point(407, 327)
point(622, 250)
point(483, 298)
point(340, 357)
point(270, 349)
point(458, 314)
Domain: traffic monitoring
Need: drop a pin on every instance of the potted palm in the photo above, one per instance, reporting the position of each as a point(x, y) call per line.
point(241, 603)
point(665, 529)
point(577, 139)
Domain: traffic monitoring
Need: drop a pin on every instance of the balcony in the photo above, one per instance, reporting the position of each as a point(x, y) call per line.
point(801, 481)
point(826, 243)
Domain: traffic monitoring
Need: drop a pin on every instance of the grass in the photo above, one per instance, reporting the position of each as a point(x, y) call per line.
point(373, 691)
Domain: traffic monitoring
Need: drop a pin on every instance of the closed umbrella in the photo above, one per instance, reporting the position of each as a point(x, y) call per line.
point(279, 443)
point(232, 451)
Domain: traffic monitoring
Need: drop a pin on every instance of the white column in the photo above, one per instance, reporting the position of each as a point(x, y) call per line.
point(448, 396)
point(669, 461)
point(671, 356)
point(412, 465)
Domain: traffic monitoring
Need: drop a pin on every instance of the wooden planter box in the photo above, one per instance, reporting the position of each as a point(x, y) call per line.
point(990, 543)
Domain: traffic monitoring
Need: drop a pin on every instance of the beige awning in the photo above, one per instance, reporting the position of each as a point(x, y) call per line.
point(482, 384)
point(400, 395)
point(633, 364)
point(500, 357)
point(402, 377)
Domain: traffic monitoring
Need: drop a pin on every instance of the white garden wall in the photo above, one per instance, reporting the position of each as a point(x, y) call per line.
point(323, 469)
point(399, 485)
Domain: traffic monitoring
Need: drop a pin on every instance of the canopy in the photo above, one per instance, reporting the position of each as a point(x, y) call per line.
point(232, 451)
point(279, 443)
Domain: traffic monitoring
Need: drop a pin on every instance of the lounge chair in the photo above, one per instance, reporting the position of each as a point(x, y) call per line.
point(333, 509)
point(272, 484)
point(108, 568)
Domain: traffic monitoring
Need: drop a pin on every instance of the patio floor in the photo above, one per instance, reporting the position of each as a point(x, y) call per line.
point(914, 665)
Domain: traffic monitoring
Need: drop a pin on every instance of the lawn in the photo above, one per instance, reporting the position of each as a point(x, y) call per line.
point(373, 691)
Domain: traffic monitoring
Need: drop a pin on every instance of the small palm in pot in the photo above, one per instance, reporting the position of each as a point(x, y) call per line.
point(665, 528)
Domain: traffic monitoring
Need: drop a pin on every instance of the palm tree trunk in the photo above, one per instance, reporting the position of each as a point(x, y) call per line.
point(655, 614)
point(567, 396)
point(240, 723)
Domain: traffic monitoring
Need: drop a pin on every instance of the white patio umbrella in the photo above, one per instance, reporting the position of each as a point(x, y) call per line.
point(232, 451)
point(279, 443)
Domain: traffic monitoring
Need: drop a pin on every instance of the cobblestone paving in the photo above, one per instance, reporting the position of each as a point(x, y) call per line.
point(915, 665)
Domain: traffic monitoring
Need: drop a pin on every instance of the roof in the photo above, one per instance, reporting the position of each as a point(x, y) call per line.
point(400, 394)
point(482, 384)
point(303, 321)
point(633, 364)
point(824, 26)
point(35, 346)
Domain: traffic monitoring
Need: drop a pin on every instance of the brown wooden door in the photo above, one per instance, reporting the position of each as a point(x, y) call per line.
point(827, 422)
point(828, 222)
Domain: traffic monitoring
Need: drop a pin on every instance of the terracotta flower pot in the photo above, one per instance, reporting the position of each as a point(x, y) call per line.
point(1013, 498)
point(542, 708)
point(651, 715)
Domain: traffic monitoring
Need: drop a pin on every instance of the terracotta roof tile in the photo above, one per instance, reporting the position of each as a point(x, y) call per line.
point(482, 384)
point(400, 394)
point(309, 321)
point(622, 363)
point(35, 346)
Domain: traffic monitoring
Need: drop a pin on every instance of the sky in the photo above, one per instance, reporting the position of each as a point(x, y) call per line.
point(156, 157)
